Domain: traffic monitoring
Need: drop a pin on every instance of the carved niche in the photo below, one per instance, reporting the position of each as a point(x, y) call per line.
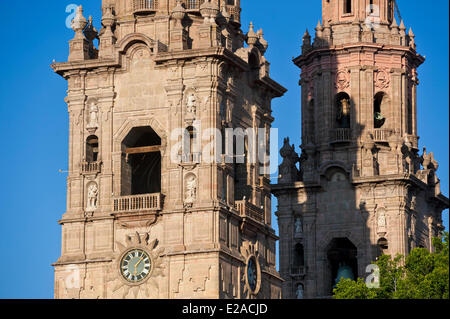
point(190, 190)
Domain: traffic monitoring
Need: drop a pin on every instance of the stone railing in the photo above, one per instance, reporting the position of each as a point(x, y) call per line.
point(381, 135)
point(141, 6)
point(90, 167)
point(340, 135)
point(247, 209)
point(193, 158)
point(193, 4)
point(137, 203)
point(235, 13)
point(298, 271)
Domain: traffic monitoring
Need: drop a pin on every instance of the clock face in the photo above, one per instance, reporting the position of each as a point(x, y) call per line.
point(252, 274)
point(135, 265)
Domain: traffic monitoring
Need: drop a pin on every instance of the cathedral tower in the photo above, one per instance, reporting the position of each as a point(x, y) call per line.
point(154, 208)
point(362, 188)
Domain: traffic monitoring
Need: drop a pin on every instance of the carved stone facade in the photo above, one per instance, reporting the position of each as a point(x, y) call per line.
point(140, 224)
point(362, 189)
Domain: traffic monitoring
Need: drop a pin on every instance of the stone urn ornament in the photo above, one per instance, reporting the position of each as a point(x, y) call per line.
point(79, 23)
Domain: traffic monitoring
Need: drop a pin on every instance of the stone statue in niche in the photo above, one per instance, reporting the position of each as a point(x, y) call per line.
point(92, 197)
point(93, 116)
point(191, 103)
point(298, 226)
point(344, 113)
point(288, 169)
point(190, 190)
point(381, 219)
point(299, 292)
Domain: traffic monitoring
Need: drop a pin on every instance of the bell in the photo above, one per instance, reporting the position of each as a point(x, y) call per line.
point(344, 272)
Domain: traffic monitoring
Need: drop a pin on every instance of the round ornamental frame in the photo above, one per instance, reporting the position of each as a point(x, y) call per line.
point(119, 266)
point(258, 275)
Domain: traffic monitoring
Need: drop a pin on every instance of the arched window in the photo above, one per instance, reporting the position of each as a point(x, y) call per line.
point(390, 10)
point(343, 105)
point(410, 117)
point(92, 149)
point(141, 163)
point(347, 6)
point(382, 246)
point(253, 62)
point(299, 256)
point(342, 261)
point(378, 110)
point(311, 121)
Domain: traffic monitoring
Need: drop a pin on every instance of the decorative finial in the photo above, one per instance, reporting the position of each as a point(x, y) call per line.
point(178, 12)
point(79, 23)
point(90, 32)
point(262, 41)
point(412, 42)
point(252, 37)
point(306, 34)
point(319, 26)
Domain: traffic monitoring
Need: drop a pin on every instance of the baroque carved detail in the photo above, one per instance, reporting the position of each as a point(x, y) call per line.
point(382, 79)
point(142, 242)
point(342, 80)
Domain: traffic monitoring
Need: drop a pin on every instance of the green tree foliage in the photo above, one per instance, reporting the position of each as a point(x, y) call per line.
point(421, 275)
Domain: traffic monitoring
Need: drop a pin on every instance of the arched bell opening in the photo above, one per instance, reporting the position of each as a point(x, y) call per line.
point(379, 110)
point(299, 256)
point(342, 261)
point(92, 149)
point(141, 163)
point(343, 106)
point(383, 246)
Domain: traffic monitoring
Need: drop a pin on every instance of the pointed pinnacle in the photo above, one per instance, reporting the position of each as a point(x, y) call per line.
point(410, 33)
point(402, 25)
point(306, 34)
point(394, 23)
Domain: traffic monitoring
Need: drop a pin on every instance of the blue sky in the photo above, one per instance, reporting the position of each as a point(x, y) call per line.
point(34, 119)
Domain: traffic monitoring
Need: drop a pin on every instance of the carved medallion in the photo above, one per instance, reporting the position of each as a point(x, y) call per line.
point(342, 80)
point(382, 79)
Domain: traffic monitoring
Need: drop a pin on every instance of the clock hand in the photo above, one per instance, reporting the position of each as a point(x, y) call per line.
point(137, 264)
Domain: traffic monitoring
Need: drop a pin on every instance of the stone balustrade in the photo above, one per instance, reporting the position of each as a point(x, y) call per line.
point(90, 167)
point(298, 271)
point(137, 203)
point(381, 135)
point(193, 4)
point(247, 209)
point(235, 13)
point(141, 6)
point(340, 135)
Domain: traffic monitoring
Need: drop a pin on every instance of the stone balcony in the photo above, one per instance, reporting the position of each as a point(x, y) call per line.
point(381, 135)
point(138, 203)
point(145, 6)
point(91, 167)
point(249, 210)
point(193, 4)
point(235, 13)
point(298, 271)
point(340, 135)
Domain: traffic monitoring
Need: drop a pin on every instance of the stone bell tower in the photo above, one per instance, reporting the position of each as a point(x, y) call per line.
point(156, 208)
point(361, 189)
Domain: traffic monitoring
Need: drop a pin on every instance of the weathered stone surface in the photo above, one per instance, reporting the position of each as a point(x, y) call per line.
point(361, 189)
point(158, 69)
